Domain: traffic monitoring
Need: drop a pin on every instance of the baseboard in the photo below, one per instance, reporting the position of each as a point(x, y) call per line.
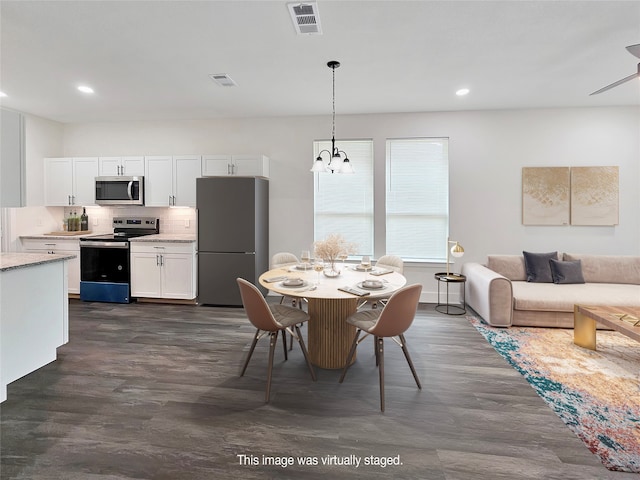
point(175, 301)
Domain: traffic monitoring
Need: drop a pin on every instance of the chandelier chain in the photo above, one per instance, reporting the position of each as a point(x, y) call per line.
point(333, 126)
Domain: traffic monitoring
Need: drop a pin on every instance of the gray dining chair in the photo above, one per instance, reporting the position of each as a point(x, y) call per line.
point(286, 259)
point(271, 319)
point(388, 322)
point(390, 262)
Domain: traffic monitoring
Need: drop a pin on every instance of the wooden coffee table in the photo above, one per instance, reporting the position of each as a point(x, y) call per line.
point(621, 319)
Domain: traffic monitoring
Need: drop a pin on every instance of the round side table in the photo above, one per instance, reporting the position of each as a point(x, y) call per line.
point(448, 308)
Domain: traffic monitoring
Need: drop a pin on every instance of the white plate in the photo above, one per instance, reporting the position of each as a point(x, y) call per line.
point(369, 285)
point(293, 283)
point(360, 268)
point(304, 266)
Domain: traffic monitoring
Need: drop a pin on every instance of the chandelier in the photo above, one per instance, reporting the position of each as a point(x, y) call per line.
point(338, 160)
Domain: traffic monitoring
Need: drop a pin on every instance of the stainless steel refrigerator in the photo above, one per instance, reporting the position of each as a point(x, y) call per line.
point(233, 236)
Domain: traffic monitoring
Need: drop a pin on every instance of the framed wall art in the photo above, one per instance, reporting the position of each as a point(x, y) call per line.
point(545, 195)
point(594, 195)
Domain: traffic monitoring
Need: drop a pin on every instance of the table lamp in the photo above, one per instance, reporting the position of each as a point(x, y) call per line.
point(456, 251)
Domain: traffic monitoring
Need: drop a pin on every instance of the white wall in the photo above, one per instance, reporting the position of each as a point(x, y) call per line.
point(487, 152)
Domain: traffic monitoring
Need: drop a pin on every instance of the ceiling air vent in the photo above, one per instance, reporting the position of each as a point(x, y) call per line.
point(305, 18)
point(222, 79)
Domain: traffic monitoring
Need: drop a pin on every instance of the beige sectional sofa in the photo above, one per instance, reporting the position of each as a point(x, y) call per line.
point(500, 293)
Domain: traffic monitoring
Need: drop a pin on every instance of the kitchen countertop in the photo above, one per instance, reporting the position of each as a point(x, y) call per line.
point(42, 236)
point(11, 261)
point(166, 237)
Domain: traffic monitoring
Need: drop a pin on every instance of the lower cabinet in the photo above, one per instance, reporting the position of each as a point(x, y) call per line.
point(163, 270)
point(59, 246)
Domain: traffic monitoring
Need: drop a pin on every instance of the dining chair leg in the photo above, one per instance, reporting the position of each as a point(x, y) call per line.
point(304, 352)
point(273, 339)
point(284, 343)
point(380, 342)
point(406, 355)
point(375, 350)
point(253, 346)
point(352, 351)
point(291, 339)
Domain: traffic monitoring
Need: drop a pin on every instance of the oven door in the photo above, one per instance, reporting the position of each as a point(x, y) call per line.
point(104, 271)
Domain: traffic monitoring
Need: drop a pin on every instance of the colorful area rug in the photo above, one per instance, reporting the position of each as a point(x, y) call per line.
point(595, 393)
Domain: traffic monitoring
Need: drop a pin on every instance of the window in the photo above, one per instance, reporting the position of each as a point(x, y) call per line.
point(417, 198)
point(343, 204)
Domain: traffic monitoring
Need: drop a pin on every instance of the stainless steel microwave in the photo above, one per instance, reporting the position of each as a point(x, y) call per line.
point(120, 190)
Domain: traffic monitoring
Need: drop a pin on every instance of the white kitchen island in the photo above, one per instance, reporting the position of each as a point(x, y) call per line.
point(34, 312)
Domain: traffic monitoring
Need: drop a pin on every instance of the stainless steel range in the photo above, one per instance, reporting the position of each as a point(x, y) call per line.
point(105, 274)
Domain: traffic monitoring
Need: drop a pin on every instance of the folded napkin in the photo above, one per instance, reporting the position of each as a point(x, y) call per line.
point(276, 279)
point(354, 291)
point(381, 271)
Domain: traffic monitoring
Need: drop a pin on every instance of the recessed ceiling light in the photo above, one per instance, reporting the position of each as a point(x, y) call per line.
point(85, 89)
point(462, 92)
point(2, 94)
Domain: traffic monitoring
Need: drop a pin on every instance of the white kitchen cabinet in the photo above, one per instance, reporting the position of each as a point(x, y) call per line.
point(119, 166)
point(71, 246)
point(171, 180)
point(163, 270)
point(70, 181)
point(238, 165)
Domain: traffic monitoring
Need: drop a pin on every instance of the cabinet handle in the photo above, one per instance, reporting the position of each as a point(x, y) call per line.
point(157, 260)
point(68, 199)
point(161, 260)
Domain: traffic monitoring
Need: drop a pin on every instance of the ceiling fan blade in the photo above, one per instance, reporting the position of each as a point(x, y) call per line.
point(634, 50)
point(619, 82)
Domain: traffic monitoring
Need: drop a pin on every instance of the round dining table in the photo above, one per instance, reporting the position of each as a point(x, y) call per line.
point(329, 337)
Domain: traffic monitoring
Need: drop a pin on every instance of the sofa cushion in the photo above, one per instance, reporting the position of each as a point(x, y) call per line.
point(509, 266)
point(608, 268)
point(566, 272)
point(537, 266)
point(562, 298)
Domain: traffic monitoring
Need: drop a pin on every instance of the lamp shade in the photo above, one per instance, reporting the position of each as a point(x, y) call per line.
point(318, 166)
point(346, 167)
point(457, 250)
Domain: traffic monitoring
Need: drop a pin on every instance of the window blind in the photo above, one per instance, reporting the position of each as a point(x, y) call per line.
point(343, 204)
point(417, 198)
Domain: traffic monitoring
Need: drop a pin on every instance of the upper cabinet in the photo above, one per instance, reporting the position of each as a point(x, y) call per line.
point(119, 166)
point(171, 180)
point(12, 164)
point(239, 165)
point(70, 181)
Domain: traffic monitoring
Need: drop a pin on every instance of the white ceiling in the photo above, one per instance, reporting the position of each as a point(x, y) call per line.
point(151, 60)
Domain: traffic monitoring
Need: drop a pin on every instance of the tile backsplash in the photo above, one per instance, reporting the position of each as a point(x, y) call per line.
point(172, 219)
point(15, 222)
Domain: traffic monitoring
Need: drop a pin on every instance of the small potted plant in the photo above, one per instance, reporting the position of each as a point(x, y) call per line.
point(331, 249)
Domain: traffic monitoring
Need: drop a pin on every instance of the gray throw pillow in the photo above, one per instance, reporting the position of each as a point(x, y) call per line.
point(537, 266)
point(566, 272)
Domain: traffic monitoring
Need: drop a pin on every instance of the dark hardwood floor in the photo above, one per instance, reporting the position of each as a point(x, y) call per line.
point(151, 391)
